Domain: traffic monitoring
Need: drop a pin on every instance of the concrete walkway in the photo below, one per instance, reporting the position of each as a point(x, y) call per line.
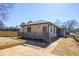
point(52, 46)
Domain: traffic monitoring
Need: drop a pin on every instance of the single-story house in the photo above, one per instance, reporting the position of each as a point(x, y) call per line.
point(40, 30)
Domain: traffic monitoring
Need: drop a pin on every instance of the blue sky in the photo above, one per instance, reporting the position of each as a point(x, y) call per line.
point(46, 11)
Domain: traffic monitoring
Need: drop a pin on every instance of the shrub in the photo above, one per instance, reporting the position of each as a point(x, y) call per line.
point(76, 38)
point(65, 36)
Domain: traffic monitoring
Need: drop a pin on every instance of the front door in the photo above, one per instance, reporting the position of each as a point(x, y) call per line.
point(44, 29)
point(45, 33)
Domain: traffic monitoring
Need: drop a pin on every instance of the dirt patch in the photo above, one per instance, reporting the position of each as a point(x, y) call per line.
point(67, 47)
point(13, 48)
point(23, 51)
point(6, 42)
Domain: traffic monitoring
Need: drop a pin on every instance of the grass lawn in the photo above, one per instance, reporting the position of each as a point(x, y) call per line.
point(67, 47)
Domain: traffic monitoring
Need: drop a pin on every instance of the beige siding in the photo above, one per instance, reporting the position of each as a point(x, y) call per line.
point(35, 28)
point(36, 32)
point(54, 28)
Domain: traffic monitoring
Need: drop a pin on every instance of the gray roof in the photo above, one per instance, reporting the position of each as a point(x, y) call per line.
point(37, 22)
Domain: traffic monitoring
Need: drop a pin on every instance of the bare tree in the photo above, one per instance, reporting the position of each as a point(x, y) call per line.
point(29, 22)
point(5, 9)
point(22, 24)
point(58, 22)
point(69, 25)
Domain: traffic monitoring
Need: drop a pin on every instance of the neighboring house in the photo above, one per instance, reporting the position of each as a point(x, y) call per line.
point(40, 30)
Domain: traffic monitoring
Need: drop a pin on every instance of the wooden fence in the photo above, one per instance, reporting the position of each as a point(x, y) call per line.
point(8, 33)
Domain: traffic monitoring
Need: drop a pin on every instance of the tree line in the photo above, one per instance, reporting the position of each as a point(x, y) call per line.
point(71, 26)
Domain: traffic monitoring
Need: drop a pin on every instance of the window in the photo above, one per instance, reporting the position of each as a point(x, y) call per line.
point(28, 29)
point(51, 29)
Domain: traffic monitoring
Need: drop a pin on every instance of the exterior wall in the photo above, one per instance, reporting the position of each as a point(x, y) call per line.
point(36, 32)
point(54, 30)
point(35, 28)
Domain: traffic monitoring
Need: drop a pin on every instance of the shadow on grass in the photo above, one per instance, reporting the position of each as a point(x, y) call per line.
point(39, 42)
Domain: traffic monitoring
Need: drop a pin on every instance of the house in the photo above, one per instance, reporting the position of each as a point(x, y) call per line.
point(41, 29)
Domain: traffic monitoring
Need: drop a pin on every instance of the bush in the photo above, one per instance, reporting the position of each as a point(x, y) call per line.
point(65, 36)
point(76, 38)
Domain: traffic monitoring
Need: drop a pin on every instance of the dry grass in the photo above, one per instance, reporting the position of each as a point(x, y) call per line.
point(8, 33)
point(63, 46)
point(8, 42)
point(67, 47)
